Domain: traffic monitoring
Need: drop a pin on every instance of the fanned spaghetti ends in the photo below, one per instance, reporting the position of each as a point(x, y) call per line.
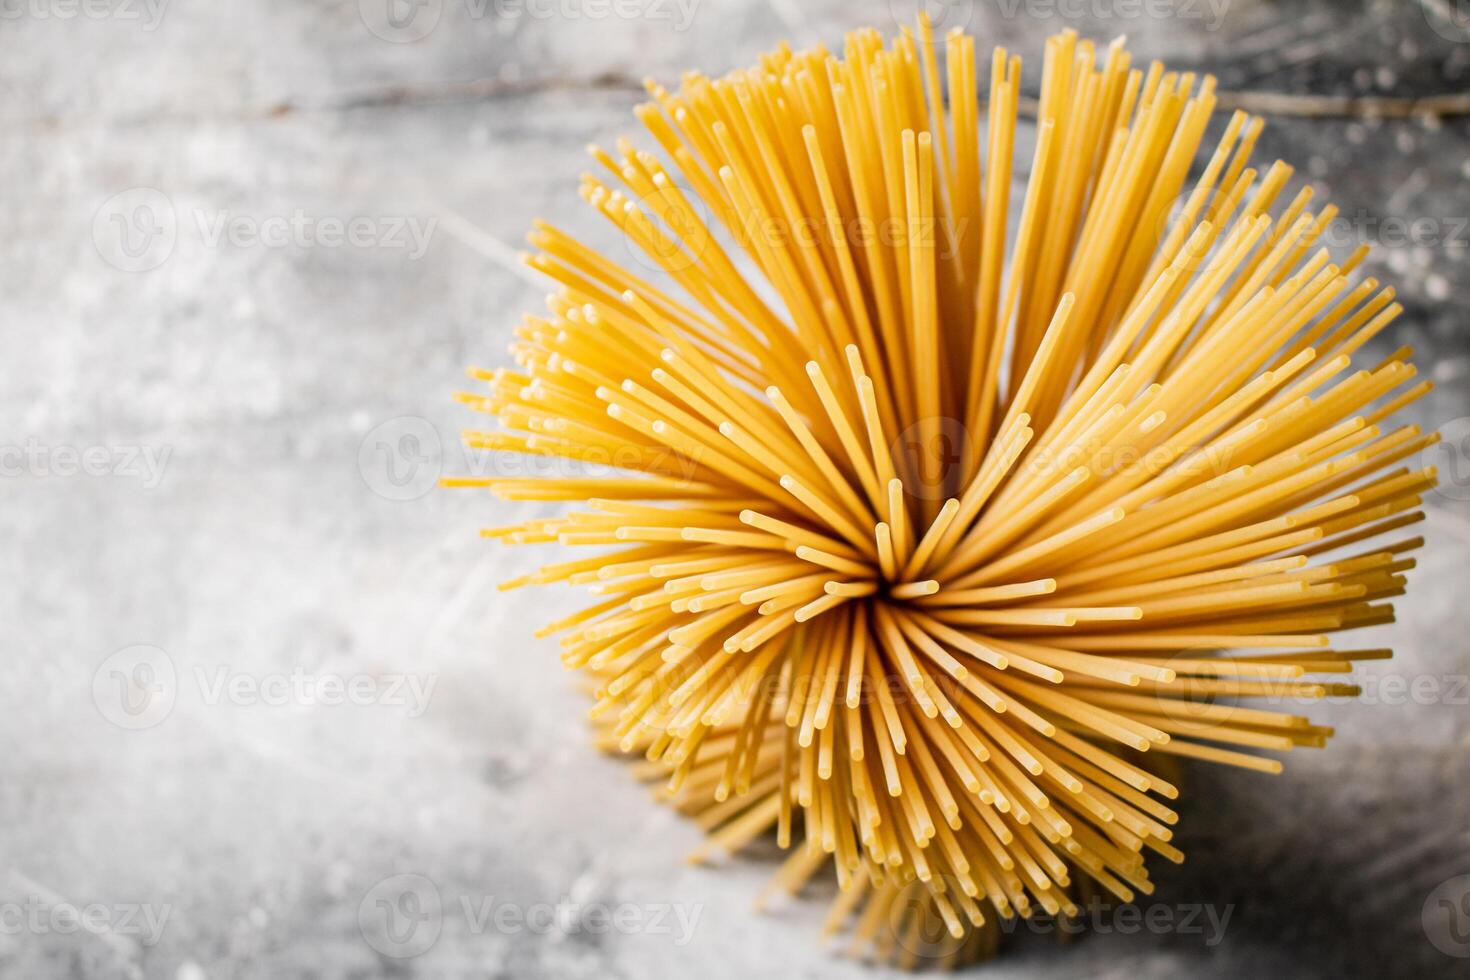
point(939, 512)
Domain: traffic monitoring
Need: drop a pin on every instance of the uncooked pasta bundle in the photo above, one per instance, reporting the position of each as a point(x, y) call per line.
point(938, 513)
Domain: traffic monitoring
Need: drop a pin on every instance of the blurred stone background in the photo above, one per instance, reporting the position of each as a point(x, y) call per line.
point(220, 432)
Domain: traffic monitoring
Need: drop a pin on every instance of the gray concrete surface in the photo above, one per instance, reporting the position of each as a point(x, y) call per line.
point(204, 439)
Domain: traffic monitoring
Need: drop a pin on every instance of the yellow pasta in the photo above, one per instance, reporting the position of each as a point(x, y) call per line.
point(932, 543)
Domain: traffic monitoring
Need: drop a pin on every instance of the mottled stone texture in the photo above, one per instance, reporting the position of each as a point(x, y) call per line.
point(247, 393)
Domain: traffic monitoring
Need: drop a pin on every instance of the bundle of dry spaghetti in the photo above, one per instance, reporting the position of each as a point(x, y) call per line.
point(938, 511)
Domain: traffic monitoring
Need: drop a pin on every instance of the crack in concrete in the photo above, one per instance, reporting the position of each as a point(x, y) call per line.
point(1279, 104)
point(390, 97)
